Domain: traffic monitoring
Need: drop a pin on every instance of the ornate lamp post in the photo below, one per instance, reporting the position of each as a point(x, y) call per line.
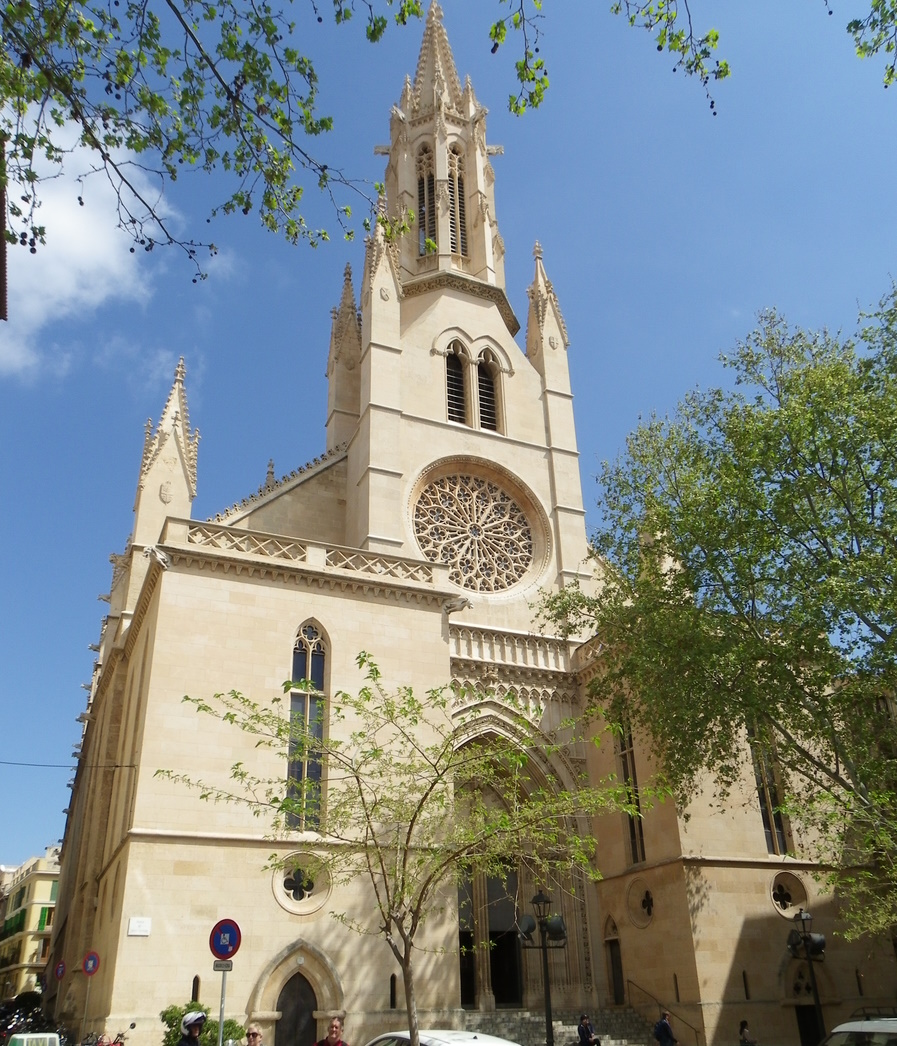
point(552, 934)
point(810, 946)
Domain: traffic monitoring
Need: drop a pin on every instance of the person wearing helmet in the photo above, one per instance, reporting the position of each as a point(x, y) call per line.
point(191, 1027)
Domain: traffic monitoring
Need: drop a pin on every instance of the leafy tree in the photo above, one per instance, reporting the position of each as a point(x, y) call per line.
point(747, 556)
point(161, 87)
point(158, 89)
point(420, 794)
point(172, 1016)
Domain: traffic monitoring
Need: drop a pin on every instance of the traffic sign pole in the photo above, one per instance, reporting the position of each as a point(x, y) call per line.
point(221, 1011)
point(224, 941)
point(89, 965)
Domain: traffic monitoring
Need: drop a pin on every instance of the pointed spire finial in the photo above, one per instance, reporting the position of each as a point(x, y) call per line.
point(174, 421)
point(537, 251)
point(436, 79)
point(270, 481)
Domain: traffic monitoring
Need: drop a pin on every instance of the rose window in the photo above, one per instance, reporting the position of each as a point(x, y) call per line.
point(476, 528)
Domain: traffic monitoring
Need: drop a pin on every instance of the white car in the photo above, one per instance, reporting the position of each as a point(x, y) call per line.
point(442, 1037)
point(877, 1031)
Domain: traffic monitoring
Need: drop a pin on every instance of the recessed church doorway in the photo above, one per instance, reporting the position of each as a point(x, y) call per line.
point(296, 1004)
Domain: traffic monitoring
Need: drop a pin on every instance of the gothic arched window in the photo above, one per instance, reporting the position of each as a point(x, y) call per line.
point(456, 398)
point(426, 201)
point(307, 709)
point(486, 371)
point(457, 201)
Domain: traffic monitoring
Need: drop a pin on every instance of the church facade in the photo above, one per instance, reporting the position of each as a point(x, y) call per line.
point(447, 498)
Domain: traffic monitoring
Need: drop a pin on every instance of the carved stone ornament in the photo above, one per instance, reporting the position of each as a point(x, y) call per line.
point(384, 294)
point(478, 529)
point(165, 494)
point(553, 342)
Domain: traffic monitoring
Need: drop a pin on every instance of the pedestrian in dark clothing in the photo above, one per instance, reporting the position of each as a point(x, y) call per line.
point(587, 1036)
point(663, 1030)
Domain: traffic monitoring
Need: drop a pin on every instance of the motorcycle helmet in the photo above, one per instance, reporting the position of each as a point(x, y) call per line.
point(191, 1019)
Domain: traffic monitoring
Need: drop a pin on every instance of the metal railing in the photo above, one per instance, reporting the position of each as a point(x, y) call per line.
point(650, 1007)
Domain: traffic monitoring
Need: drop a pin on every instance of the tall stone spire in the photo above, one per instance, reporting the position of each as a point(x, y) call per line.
point(436, 83)
point(439, 170)
point(546, 331)
point(343, 370)
point(167, 484)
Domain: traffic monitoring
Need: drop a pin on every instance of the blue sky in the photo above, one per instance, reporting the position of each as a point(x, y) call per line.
point(664, 231)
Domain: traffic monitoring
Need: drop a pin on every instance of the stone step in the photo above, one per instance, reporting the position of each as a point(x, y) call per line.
point(617, 1027)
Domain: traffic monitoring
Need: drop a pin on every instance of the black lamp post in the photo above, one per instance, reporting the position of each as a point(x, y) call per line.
point(552, 934)
point(540, 906)
point(811, 946)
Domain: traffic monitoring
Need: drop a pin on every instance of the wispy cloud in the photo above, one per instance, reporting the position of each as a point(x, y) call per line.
point(85, 264)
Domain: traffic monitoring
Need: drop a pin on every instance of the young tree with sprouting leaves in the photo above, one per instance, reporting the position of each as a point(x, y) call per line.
point(747, 553)
point(149, 90)
point(419, 793)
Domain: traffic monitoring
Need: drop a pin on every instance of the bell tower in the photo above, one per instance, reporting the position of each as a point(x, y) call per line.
point(461, 447)
point(439, 169)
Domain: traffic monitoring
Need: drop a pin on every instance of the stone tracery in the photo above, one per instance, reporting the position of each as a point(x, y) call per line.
point(477, 528)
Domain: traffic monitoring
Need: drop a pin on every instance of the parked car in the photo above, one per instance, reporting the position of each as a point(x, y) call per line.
point(445, 1037)
point(878, 1031)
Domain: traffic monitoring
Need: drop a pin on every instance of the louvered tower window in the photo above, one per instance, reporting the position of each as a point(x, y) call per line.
point(426, 200)
point(457, 203)
point(486, 389)
point(454, 386)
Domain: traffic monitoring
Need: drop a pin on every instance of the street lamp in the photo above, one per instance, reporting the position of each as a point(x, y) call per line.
point(552, 934)
point(812, 946)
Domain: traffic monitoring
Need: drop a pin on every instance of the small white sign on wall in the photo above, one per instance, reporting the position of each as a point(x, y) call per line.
point(139, 926)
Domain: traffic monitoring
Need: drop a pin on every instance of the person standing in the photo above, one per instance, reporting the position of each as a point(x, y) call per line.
point(744, 1035)
point(334, 1036)
point(663, 1030)
point(254, 1035)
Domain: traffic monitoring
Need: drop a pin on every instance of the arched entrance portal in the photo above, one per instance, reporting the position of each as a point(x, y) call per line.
point(285, 1001)
point(491, 972)
point(296, 1004)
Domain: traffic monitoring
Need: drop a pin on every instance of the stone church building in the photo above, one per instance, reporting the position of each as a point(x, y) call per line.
point(447, 497)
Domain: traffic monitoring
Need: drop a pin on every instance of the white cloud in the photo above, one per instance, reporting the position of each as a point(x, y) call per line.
point(85, 263)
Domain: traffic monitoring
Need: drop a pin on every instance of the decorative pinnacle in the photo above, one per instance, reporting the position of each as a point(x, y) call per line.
point(537, 251)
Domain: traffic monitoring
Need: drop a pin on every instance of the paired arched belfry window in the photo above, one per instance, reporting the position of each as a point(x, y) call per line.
point(471, 388)
point(457, 202)
point(307, 710)
point(426, 199)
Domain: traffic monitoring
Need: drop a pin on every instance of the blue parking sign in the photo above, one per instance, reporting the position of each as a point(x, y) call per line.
point(224, 939)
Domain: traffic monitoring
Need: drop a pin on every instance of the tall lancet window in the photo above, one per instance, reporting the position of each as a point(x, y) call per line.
point(454, 384)
point(457, 201)
point(426, 201)
point(307, 709)
point(486, 389)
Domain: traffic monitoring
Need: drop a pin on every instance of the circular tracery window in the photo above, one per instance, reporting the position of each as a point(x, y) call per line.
point(301, 884)
point(475, 527)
